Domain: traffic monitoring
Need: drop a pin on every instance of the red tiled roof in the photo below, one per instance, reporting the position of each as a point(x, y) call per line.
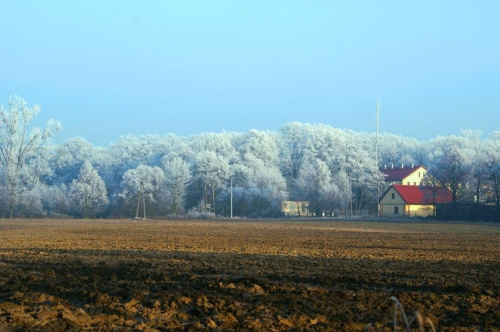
point(398, 173)
point(422, 195)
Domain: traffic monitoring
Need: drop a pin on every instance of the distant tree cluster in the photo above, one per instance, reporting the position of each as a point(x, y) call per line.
point(333, 169)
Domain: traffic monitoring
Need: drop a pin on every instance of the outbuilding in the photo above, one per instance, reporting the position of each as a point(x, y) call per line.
point(295, 208)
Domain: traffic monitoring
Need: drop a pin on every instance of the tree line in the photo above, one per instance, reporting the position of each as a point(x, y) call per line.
point(334, 169)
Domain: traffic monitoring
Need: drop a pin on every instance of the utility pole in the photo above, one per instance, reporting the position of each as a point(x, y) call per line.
point(346, 203)
point(141, 197)
point(376, 157)
point(231, 198)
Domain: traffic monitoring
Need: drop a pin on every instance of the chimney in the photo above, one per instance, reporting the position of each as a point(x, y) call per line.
point(385, 166)
point(402, 166)
point(392, 166)
point(411, 165)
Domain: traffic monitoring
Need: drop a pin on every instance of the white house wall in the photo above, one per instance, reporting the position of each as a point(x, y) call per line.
point(388, 204)
point(416, 178)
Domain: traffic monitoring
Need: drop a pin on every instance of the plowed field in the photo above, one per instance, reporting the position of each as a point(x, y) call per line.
point(122, 275)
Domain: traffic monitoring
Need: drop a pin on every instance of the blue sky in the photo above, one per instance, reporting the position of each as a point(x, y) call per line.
point(105, 69)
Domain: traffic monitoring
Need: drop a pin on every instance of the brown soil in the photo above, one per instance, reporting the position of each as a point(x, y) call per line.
point(72, 275)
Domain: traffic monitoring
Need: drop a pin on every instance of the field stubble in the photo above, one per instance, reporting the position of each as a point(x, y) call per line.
point(213, 275)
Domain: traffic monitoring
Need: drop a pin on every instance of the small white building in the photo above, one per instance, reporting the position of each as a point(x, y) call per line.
point(295, 208)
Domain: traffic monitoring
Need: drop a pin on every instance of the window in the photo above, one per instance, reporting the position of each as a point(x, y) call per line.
point(396, 210)
point(414, 183)
point(418, 174)
point(408, 183)
point(393, 196)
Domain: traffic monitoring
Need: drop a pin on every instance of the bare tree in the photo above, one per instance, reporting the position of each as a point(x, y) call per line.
point(20, 147)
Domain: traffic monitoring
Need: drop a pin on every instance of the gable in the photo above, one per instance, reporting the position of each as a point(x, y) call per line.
point(391, 197)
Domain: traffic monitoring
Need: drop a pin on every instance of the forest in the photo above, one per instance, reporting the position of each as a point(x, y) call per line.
point(200, 175)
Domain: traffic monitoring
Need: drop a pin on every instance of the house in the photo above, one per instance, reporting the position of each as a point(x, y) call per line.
point(406, 175)
point(412, 201)
point(295, 208)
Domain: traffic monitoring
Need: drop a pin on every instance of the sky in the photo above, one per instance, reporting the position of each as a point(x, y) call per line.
point(106, 69)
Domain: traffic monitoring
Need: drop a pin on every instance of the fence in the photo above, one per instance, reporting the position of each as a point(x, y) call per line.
point(468, 212)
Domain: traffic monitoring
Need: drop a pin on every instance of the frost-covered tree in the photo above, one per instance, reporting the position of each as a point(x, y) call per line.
point(452, 170)
point(88, 193)
point(178, 176)
point(55, 199)
point(396, 149)
point(258, 185)
point(315, 185)
point(341, 179)
point(145, 180)
point(262, 145)
point(293, 140)
point(343, 151)
point(213, 171)
point(220, 144)
point(456, 162)
point(354, 168)
point(127, 153)
point(258, 188)
point(492, 167)
point(131, 151)
point(20, 148)
point(30, 203)
point(67, 159)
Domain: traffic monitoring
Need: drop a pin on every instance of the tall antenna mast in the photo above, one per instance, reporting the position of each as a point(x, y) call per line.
point(376, 156)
